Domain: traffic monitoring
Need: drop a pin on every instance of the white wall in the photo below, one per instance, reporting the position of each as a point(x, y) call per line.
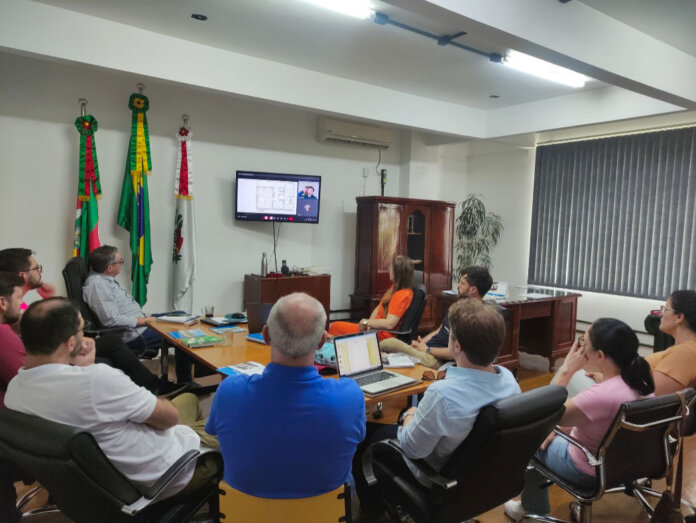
point(38, 176)
point(502, 176)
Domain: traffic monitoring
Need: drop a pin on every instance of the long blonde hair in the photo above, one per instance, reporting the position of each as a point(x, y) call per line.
point(402, 273)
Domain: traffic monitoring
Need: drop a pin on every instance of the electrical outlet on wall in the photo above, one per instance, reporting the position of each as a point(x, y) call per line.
point(366, 172)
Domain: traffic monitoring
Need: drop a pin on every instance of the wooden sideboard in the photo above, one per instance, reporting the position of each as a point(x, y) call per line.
point(536, 325)
point(267, 290)
point(423, 230)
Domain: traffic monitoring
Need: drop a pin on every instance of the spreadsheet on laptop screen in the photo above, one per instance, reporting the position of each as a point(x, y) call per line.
point(358, 353)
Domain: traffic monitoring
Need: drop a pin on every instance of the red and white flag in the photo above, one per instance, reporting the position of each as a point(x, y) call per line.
point(184, 252)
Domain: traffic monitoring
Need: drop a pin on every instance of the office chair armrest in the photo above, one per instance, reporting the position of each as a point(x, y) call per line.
point(98, 332)
point(150, 494)
point(421, 465)
point(593, 460)
point(91, 328)
point(171, 473)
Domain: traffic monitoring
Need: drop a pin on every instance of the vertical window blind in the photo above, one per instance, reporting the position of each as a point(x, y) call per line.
point(616, 215)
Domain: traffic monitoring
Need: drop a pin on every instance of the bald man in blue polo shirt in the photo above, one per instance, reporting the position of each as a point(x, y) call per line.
point(288, 432)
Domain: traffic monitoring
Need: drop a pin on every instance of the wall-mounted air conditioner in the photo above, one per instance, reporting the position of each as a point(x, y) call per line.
point(354, 133)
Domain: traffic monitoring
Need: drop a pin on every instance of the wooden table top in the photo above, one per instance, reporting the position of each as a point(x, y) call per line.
point(241, 350)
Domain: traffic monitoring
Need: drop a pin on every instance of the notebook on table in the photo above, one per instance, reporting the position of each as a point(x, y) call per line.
point(358, 357)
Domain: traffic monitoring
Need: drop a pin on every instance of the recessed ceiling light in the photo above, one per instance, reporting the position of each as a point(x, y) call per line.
point(493, 96)
point(196, 16)
point(357, 8)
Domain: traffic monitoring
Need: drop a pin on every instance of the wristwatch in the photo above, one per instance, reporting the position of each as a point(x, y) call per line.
point(363, 324)
point(428, 350)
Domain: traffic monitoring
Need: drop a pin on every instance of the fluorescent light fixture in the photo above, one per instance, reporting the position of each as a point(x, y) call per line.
point(356, 8)
point(534, 66)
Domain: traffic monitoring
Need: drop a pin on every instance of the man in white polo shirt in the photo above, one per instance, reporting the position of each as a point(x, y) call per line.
point(139, 432)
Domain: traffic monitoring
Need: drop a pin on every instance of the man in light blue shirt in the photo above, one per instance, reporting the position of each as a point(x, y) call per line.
point(115, 307)
point(443, 419)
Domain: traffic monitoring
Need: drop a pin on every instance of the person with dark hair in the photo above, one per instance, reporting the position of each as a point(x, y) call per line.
point(675, 368)
point(11, 360)
point(391, 308)
point(138, 432)
point(446, 414)
point(115, 307)
point(110, 348)
point(308, 192)
point(432, 350)
point(22, 261)
point(611, 346)
point(11, 348)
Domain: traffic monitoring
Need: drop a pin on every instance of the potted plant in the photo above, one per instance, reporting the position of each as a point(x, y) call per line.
point(477, 231)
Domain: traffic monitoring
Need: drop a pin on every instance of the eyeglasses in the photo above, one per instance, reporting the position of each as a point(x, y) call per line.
point(430, 375)
point(37, 268)
point(665, 308)
point(118, 262)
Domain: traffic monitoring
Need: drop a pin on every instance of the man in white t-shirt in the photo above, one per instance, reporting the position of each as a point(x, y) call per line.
point(139, 432)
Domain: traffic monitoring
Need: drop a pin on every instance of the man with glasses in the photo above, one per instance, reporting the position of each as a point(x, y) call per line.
point(432, 350)
point(116, 307)
point(109, 349)
point(140, 434)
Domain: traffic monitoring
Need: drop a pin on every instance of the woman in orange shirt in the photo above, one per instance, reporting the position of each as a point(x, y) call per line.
point(393, 305)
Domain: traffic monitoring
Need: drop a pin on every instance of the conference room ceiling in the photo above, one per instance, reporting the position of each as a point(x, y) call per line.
point(297, 33)
point(642, 58)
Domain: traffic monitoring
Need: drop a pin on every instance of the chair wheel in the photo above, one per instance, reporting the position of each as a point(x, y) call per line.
point(575, 512)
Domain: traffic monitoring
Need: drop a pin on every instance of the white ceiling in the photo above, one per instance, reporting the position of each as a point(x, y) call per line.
point(304, 35)
point(671, 21)
point(641, 52)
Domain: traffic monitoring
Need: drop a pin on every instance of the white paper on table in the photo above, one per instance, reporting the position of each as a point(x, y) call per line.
point(399, 360)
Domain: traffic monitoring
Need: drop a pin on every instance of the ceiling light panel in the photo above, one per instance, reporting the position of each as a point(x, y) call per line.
point(542, 69)
point(357, 8)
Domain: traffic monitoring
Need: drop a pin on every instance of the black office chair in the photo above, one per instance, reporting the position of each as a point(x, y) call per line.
point(641, 428)
point(75, 273)
point(84, 484)
point(661, 340)
point(487, 469)
point(408, 328)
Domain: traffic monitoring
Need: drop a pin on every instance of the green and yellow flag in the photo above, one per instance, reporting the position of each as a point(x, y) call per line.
point(134, 208)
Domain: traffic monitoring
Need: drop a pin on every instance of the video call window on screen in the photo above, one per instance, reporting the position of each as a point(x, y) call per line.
point(277, 197)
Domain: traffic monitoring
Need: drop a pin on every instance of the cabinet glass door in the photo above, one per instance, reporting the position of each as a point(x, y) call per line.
point(415, 238)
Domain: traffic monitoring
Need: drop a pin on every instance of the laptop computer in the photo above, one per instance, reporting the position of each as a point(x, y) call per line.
point(257, 314)
point(358, 357)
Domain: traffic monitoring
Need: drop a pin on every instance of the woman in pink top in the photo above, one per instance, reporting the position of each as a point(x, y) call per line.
point(612, 347)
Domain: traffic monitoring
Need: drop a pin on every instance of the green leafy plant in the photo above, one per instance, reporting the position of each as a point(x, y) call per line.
point(477, 232)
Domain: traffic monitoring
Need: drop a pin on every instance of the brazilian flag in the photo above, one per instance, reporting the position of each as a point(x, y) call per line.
point(134, 208)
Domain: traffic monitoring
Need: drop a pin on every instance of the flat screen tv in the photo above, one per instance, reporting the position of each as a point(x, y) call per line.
point(277, 197)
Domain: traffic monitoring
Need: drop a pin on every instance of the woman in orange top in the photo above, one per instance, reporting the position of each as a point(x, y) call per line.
point(393, 305)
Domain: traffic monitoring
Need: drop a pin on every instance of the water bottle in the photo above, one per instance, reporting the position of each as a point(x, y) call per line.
point(264, 265)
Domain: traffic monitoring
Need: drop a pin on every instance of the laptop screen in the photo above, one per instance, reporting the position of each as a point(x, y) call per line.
point(357, 353)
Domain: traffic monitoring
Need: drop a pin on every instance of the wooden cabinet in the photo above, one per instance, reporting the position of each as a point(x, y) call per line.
point(386, 227)
point(267, 290)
